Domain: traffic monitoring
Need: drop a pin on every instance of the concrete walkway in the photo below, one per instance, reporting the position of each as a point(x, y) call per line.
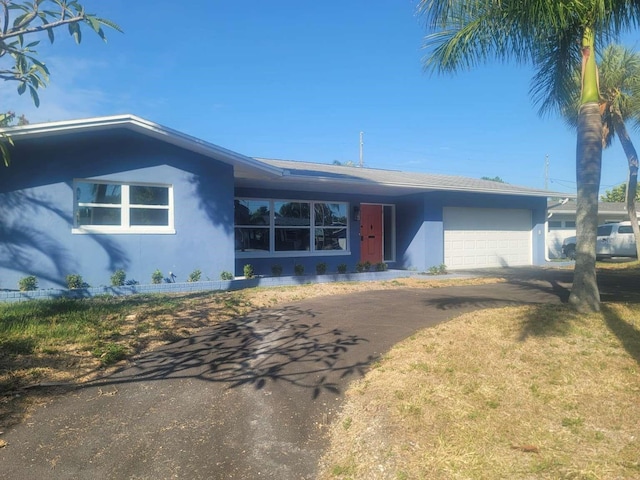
point(247, 399)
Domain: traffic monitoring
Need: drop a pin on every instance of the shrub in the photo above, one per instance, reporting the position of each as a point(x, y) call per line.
point(321, 268)
point(363, 266)
point(157, 277)
point(75, 281)
point(298, 269)
point(438, 270)
point(195, 276)
point(248, 271)
point(28, 284)
point(342, 268)
point(226, 276)
point(381, 267)
point(118, 278)
point(276, 270)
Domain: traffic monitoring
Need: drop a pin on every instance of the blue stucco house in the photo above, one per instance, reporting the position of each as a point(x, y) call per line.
point(92, 196)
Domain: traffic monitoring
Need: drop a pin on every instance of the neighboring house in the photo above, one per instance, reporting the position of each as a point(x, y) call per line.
point(561, 221)
point(91, 196)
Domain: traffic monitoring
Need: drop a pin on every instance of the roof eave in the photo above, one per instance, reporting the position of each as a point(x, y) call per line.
point(144, 127)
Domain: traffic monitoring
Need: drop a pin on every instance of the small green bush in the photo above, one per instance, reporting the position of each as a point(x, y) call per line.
point(75, 281)
point(118, 278)
point(321, 268)
point(381, 267)
point(157, 277)
point(438, 269)
point(363, 266)
point(248, 271)
point(28, 284)
point(195, 276)
point(342, 268)
point(226, 276)
point(298, 269)
point(276, 270)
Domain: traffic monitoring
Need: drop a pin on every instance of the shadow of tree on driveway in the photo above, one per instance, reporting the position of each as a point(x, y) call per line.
point(266, 346)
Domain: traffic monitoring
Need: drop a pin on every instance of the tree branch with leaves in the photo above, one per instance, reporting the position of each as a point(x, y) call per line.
point(21, 22)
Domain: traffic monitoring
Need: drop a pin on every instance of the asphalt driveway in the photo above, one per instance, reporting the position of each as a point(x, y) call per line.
point(248, 399)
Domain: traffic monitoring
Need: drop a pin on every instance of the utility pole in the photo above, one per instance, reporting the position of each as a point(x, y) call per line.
point(546, 172)
point(361, 163)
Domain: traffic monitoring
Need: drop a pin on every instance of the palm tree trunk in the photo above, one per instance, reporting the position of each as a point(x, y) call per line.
point(585, 296)
point(632, 182)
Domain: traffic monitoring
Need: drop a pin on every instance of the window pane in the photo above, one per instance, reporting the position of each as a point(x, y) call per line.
point(328, 214)
point(252, 212)
point(292, 239)
point(292, 214)
point(141, 195)
point(149, 216)
point(570, 224)
point(98, 216)
point(252, 239)
point(553, 224)
point(625, 229)
point(98, 193)
point(604, 230)
point(331, 239)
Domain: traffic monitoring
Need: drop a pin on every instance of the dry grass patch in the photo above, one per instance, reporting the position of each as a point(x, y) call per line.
point(517, 392)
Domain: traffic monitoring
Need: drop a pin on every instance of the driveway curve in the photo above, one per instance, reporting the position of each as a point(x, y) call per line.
point(246, 399)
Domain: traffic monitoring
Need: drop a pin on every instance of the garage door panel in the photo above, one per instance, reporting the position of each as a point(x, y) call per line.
point(484, 237)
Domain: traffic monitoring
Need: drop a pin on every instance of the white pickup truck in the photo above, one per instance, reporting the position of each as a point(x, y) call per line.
point(614, 240)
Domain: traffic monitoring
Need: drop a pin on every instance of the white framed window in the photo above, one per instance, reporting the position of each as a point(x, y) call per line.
point(268, 227)
point(117, 207)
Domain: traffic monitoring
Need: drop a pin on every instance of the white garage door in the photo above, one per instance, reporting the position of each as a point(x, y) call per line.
point(486, 237)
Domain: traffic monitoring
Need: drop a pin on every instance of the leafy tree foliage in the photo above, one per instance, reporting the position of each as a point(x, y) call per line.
point(348, 163)
point(22, 20)
point(493, 179)
point(21, 24)
point(9, 119)
point(618, 194)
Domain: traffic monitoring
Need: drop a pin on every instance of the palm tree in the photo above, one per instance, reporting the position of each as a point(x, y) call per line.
point(553, 36)
point(619, 83)
point(620, 91)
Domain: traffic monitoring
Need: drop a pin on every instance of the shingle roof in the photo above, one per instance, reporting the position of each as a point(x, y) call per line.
point(603, 207)
point(394, 178)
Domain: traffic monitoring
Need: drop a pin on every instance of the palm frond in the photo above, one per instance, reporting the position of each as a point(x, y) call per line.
point(555, 87)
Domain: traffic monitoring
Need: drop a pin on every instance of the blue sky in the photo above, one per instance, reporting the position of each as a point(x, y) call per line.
point(299, 80)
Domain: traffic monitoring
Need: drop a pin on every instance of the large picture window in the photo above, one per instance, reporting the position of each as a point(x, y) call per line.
point(279, 226)
point(107, 207)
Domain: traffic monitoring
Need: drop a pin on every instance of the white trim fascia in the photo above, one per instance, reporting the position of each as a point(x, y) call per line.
point(145, 127)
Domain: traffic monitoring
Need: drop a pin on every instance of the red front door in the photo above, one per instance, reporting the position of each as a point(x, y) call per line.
point(371, 233)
